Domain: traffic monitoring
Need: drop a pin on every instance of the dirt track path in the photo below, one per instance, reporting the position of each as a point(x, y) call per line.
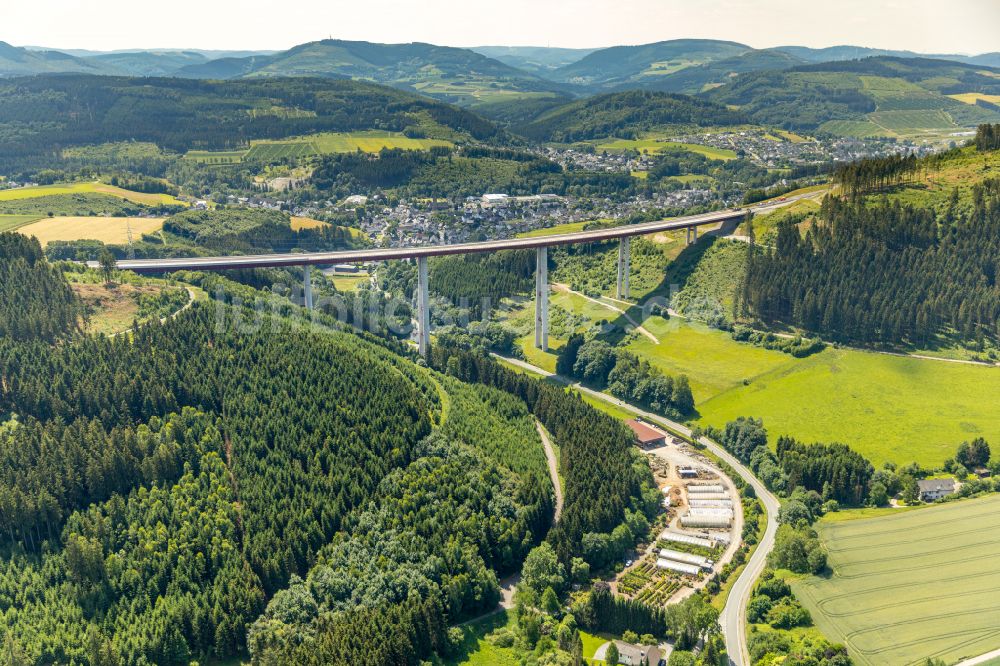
point(550, 456)
point(638, 327)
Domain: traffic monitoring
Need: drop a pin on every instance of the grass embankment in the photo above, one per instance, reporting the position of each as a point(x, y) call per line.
point(911, 585)
point(476, 650)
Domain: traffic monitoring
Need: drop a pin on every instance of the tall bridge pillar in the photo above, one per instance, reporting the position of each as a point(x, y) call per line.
point(692, 235)
point(423, 309)
point(624, 267)
point(307, 287)
point(542, 298)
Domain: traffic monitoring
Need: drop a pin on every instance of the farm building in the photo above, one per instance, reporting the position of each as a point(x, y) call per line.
point(708, 496)
point(715, 503)
point(706, 488)
point(673, 565)
point(710, 511)
point(706, 520)
point(648, 437)
point(933, 489)
point(677, 537)
point(687, 558)
point(687, 472)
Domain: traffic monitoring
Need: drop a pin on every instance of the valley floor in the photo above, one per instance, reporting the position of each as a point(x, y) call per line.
point(887, 407)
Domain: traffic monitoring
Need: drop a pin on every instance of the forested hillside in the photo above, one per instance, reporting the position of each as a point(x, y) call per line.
point(222, 483)
point(876, 271)
point(39, 114)
point(35, 301)
point(624, 115)
point(807, 96)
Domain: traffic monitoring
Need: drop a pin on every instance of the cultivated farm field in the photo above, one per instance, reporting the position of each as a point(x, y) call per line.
point(654, 145)
point(88, 188)
point(111, 230)
point(922, 583)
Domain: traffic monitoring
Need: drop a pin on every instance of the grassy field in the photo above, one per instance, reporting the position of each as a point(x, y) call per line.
point(12, 222)
point(854, 128)
point(886, 407)
point(919, 584)
point(215, 156)
point(568, 228)
point(655, 145)
point(300, 223)
point(88, 188)
point(323, 143)
point(105, 229)
point(345, 283)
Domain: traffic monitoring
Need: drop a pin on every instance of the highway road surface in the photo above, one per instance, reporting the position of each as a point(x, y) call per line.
point(382, 254)
point(733, 616)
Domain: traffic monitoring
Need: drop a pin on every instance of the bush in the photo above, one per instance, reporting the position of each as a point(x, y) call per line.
point(788, 614)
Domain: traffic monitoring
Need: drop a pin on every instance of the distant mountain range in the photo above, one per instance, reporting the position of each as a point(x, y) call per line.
point(686, 65)
point(792, 86)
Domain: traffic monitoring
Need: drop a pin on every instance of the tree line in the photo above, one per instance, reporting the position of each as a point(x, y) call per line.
point(625, 376)
point(987, 137)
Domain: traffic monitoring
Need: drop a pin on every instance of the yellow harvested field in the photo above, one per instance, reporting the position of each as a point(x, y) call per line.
point(112, 230)
point(87, 188)
point(300, 223)
point(971, 98)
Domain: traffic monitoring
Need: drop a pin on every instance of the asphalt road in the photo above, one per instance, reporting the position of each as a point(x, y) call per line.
point(733, 616)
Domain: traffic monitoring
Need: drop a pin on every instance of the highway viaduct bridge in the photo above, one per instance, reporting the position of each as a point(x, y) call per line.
point(541, 244)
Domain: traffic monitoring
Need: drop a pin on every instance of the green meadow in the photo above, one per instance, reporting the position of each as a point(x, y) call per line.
point(323, 143)
point(655, 145)
point(12, 222)
point(888, 408)
point(909, 586)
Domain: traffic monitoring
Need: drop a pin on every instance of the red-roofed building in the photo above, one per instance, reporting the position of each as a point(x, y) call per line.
point(648, 436)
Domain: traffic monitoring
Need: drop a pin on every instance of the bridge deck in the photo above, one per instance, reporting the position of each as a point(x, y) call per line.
point(380, 254)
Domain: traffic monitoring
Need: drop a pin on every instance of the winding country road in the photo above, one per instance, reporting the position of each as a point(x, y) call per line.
point(733, 616)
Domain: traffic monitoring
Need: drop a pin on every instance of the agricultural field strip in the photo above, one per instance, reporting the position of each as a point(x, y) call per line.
point(873, 619)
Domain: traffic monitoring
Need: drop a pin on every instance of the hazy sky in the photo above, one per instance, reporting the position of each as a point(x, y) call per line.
point(963, 26)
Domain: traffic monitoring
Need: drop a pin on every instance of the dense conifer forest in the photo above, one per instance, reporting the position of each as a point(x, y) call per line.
point(218, 484)
point(884, 273)
point(35, 301)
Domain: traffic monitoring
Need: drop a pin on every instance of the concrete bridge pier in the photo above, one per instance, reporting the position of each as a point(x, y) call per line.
point(542, 298)
point(692, 235)
point(423, 309)
point(624, 267)
point(307, 287)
